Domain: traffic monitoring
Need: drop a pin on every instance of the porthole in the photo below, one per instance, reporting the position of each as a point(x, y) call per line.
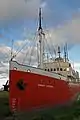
point(60, 69)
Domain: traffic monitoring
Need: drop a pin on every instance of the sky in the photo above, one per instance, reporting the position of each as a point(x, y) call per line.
point(19, 24)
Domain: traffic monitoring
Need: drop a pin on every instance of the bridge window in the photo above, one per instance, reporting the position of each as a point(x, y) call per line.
point(60, 69)
point(69, 65)
point(67, 69)
point(54, 69)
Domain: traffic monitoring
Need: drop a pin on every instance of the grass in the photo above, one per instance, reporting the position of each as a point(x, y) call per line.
point(61, 113)
point(4, 104)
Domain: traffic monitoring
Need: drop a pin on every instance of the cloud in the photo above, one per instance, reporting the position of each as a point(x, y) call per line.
point(4, 73)
point(5, 55)
point(5, 52)
point(28, 55)
point(76, 66)
point(68, 32)
point(73, 29)
point(20, 43)
point(3, 81)
point(16, 9)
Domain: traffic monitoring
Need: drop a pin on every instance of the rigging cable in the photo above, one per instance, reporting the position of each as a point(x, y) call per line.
point(48, 48)
point(16, 53)
point(51, 53)
point(25, 57)
point(32, 50)
point(52, 46)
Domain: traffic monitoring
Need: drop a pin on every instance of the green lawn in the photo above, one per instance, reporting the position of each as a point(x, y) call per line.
point(4, 104)
point(63, 113)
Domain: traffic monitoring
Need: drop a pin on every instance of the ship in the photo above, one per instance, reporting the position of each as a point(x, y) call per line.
point(52, 83)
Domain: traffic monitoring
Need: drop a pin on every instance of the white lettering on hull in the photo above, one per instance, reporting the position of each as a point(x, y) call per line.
point(14, 104)
point(48, 86)
point(40, 85)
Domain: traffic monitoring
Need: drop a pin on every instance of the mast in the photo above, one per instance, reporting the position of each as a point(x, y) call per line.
point(41, 35)
point(40, 20)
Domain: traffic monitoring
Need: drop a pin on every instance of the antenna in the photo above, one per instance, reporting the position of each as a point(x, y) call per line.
point(59, 51)
point(12, 49)
point(37, 54)
point(65, 53)
point(47, 57)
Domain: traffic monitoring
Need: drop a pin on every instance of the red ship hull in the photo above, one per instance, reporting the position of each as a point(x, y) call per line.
point(39, 91)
